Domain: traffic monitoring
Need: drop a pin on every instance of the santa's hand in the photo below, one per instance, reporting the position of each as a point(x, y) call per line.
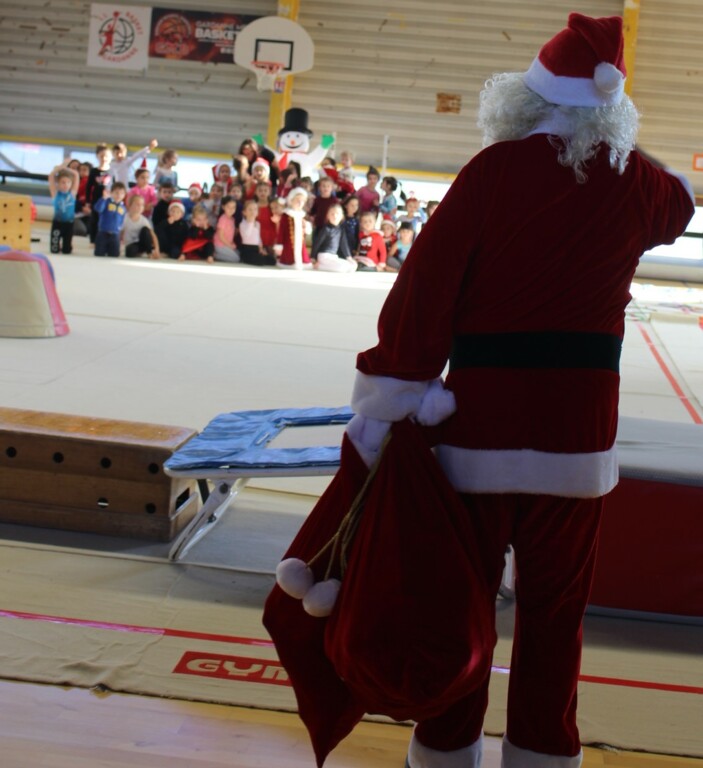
point(367, 435)
point(327, 140)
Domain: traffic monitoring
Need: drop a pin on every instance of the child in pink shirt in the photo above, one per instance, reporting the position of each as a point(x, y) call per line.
point(369, 198)
point(225, 247)
point(145, 190)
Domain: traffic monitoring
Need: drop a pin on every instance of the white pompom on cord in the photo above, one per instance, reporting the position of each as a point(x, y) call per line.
point(294, 577)
point(436, 405)
point(320, 599)
point(607, 77)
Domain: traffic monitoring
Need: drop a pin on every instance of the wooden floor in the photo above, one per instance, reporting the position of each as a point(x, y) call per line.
point(43, 726)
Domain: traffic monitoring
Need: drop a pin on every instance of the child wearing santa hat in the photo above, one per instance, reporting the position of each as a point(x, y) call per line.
point(528, 309)
point(195, 196)
point(260, 172)
point(172, 231)
point(292, 232)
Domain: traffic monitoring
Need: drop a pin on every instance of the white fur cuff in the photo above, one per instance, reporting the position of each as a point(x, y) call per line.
point(367, 435)
point(386, 398)
point(514, 757)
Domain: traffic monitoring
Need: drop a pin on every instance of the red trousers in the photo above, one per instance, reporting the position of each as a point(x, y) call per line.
point(555, 541)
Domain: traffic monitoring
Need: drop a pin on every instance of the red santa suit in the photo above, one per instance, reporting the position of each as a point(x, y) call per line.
point(528, 308)
point(291, 236)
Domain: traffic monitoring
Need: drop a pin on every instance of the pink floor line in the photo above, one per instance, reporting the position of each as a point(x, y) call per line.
point(236, 640)
point(670, 376)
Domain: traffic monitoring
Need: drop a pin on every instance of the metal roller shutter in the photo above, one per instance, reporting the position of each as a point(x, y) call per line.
point(668, 82)
point(379, 68)
point(47, 91)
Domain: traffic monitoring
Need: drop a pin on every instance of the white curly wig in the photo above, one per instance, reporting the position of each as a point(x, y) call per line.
point(509, 110)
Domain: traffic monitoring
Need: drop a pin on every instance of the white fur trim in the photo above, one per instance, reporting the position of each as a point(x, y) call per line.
point(386, 398)
point(420, 756)
point(367, 435)
point(574, 475)
point(437, 404)
point(571, 91)
point(514, 757)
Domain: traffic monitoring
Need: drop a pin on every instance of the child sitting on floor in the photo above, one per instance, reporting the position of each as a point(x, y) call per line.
point(399, 250)
point(199, 244)
point(173, 230)
point(252, 249)
point(225, 246)
point(372, 250)
point(137, 233)
point(330, 248)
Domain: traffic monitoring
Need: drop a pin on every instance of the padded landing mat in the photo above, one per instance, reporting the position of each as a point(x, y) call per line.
point(141, 625)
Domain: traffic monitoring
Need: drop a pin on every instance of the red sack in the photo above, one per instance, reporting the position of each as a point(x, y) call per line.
point(325, 705)
point(413, 627)
point(412, 630)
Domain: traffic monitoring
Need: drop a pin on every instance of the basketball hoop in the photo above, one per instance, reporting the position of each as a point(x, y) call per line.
point(267, 74)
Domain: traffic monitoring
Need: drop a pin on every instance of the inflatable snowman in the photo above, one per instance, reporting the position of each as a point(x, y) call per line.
point(294, 143)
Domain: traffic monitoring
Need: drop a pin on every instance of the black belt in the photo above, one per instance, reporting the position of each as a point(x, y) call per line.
point(540, 349)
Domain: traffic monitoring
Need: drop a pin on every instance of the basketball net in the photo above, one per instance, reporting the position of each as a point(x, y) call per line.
point(268, 76)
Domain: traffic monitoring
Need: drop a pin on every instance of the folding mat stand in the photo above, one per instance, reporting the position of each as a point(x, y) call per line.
point(232, 449)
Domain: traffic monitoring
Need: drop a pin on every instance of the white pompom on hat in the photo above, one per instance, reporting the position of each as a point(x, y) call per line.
point(581, 66)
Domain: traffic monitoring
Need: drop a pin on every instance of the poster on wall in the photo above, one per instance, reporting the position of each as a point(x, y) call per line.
point(195, 35)
point(119, 36)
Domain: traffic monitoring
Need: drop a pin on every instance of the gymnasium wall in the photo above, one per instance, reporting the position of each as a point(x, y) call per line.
point(407, 70)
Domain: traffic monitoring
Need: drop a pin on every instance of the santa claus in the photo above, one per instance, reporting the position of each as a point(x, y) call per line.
point(538, 238)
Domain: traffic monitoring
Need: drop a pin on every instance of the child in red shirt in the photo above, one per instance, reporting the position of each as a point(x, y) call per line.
point(372, 250)
point(199, 245)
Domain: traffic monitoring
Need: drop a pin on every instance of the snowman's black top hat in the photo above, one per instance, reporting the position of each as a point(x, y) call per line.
point(295, 120)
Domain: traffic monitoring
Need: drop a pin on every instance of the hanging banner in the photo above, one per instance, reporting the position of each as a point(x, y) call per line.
point(119, 36)
point(195, 35)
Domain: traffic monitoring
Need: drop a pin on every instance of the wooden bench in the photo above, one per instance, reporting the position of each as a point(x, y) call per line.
point(93, 475)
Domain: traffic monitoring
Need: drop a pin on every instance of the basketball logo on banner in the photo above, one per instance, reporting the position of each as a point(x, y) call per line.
point(119, 36)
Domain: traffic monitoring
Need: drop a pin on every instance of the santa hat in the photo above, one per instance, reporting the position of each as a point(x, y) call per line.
point(261, 163)
point(197, 186)
point(294, 192)
point(387, 220)
point(216, 169)
point(581, 66)
point(177, 204)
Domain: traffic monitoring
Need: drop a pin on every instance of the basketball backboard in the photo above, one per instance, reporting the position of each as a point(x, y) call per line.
point(274, 40)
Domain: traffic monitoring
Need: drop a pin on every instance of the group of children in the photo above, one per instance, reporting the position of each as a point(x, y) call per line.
point(254, 212)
